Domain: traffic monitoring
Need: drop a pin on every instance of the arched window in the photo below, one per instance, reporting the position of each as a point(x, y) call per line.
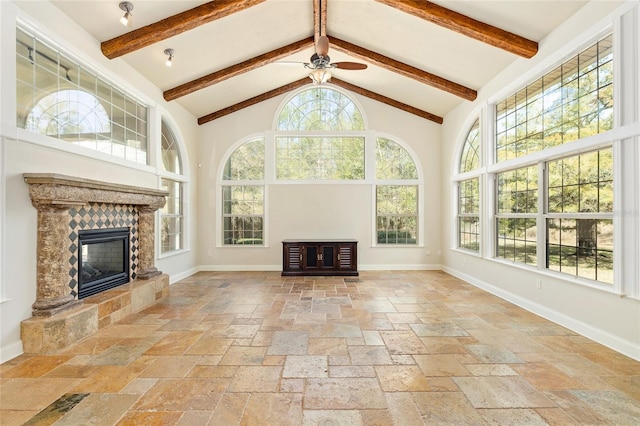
point(172, 214)
point(320, 144)
point(396, 204)
point(243, 195)
point(61, 98)
point(469, 192)
point(320, 108)
point(319, 137)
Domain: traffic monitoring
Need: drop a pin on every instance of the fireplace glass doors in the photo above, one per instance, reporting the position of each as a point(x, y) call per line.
point(103, 260)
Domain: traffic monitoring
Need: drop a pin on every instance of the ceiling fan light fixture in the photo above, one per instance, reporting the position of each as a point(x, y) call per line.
point(127, 17)
point(320, 75)
point(169, 60)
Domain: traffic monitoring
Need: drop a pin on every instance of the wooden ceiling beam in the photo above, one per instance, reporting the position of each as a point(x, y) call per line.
point(404, 69)
point(252, 101)
point(386, 100)
point(173, 25)
point(467, 26)
point(237, 69)
point(319, 19)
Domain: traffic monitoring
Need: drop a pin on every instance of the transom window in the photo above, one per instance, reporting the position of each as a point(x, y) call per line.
point(573, 101)
point(58, 97)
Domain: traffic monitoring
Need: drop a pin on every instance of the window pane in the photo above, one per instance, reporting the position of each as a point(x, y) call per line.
point(170, 151)
point(314, 158)
point(397, 214)
point(581, 247)
point(518, 190)
point(246, 162)
point(393, 161)
point(470, 158)
point(171, 217)
point(320, 108)
point(57, 97)
point(571, 102)
point(582, 183)
point(517, 240)
point(243, 210)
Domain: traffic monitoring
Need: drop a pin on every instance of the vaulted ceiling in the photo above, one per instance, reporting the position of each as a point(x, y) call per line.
point(423, 57)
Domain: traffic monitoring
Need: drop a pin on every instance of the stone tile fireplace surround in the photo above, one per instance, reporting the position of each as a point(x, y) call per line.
point(66, 205)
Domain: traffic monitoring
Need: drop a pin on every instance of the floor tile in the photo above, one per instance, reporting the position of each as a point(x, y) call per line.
point(502, 392)
point(385, 348)
point(357, 393)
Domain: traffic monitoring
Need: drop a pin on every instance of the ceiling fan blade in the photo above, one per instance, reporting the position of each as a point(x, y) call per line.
point(349, 66)
point(322, 46)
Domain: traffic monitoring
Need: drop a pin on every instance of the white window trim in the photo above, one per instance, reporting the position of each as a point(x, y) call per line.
point(155, 133)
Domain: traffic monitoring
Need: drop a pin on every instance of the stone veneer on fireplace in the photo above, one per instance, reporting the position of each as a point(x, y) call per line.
point(66, 205)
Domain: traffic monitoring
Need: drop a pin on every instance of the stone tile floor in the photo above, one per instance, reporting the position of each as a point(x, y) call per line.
point(385, 348)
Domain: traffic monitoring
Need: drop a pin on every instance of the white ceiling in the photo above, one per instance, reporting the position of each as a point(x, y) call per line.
point(366, 23)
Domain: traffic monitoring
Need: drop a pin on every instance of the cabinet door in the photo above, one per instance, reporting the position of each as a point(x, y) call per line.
point(311, 257)
point(293, 258)
point(327, 258)
point(346, 257)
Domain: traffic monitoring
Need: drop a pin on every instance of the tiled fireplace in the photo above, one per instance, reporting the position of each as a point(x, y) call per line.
point(69, 209)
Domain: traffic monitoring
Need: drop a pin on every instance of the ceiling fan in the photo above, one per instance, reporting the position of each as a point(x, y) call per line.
point(320, 62)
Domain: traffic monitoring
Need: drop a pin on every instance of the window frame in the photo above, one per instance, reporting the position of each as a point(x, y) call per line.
point(86, 65)
point(608, 139)
point(270, 179)
point(182, 179)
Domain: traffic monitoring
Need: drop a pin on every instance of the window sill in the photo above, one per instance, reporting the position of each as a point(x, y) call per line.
point(570, 279)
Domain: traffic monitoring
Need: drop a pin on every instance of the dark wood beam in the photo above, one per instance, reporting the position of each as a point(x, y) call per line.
point(173, 25)
point(252, 101)
point(237, 69)
point(467, 26)
point(404, 69)
point(319, 19)
point(386, 100)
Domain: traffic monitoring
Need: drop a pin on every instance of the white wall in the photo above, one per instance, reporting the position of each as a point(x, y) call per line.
point(24, 152)
point(320, 210)
point(606, 317)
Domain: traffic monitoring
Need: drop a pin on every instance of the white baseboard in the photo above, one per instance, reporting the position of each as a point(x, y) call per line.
point(411, 267)
point(182, 275)
point(623, 346)
point(230, 268)
point(11, 351)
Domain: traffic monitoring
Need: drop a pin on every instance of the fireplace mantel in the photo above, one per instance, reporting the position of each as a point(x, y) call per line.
point(51, 188)
point(54, 195)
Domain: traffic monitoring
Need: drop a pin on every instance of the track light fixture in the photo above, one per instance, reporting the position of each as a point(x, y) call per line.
point(169, 61)
point(126, 18)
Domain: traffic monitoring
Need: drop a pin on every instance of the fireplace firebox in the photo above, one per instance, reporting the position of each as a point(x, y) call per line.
point(103, 260)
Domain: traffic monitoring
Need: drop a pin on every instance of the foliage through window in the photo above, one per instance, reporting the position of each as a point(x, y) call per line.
point(580, 215)
point(243, 195)
point(469, 192)
point(171, 222)
point(517, 196)
point(571, 102)
point(396, 205)
point(60, 98)
point(171, 215)
point(470, 158)
point(575, 206)
point(320, 158)
point(320, 108)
